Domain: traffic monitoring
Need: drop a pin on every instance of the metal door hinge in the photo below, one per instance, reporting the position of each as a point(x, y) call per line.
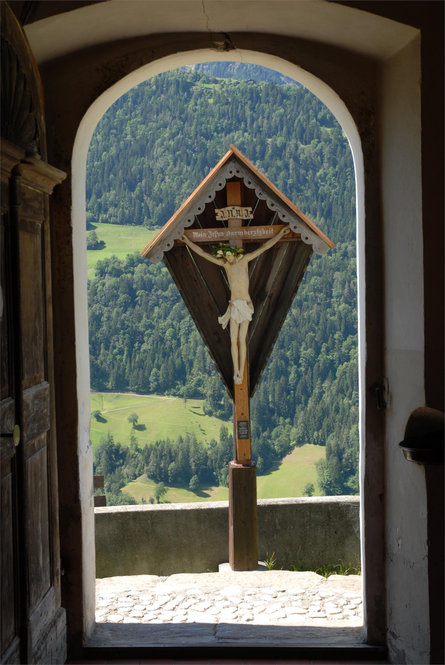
point(380, 389)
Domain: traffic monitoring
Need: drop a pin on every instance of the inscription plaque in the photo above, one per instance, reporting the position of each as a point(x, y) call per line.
point(243, 429)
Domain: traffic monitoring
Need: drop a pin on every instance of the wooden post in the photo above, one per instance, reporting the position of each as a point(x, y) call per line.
point(100, 500)
point(242, 419)
point(243, 523)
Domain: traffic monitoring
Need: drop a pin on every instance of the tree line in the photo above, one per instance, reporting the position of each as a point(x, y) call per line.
point(184, 462)
point(157, 142)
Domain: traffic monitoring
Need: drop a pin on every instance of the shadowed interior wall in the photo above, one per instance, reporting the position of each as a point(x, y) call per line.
point(370, 88)
point(406, 576)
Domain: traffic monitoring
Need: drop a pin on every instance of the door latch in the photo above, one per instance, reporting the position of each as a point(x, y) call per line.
point(14, 435)
point(380, 390)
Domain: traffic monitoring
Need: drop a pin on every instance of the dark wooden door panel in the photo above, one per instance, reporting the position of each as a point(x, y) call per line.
point(9, 550)
point(7, 415)
point(31, 182)
point(31, 293)
point(32, 620)
point(36, 411)
point(8, 615)
point(7, 366)
point(9, 547)
point(37, 521)
point(35, 394)
point(5, 369)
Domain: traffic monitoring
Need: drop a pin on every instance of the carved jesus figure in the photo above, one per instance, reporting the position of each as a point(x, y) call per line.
point(240, 310)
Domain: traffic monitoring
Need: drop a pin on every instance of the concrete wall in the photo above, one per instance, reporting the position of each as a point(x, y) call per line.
point(193, 538)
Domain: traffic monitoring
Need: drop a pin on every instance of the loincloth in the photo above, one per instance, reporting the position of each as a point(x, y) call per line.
point(238, 310)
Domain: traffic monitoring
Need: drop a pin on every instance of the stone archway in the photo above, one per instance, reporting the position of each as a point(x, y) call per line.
point(358, 86)
point(95, 112)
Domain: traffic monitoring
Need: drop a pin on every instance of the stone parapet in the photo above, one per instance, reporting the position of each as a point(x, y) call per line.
point(193, 537)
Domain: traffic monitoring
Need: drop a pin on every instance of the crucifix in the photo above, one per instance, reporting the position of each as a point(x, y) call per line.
point(240, 309)
point(243, 538)
point(270, 287)
point(203, 289)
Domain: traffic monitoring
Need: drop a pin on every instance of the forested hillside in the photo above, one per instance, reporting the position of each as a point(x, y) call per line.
point(149, 152)
point(240, 71)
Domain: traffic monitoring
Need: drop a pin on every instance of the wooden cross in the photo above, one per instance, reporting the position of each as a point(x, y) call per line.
point(234, 234)
point(243, 521)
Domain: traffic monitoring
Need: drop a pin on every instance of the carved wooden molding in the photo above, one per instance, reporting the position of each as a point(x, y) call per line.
point(21, 121)
point(234, 169)
point(11, 155)
point(39, 174)
point(18, 117)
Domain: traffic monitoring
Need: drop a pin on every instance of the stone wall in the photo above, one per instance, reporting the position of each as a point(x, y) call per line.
point(193, 537)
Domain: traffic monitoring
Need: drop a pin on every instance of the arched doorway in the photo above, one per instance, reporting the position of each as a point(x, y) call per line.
point(358, 87)
point(324, 92)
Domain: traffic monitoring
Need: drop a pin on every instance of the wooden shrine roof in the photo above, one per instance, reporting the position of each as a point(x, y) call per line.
point(274, 277)
point(235, 165)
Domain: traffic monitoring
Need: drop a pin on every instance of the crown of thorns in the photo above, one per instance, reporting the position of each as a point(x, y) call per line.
point(221, 250)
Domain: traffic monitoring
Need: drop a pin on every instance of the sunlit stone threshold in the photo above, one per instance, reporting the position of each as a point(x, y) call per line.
point(271, 608)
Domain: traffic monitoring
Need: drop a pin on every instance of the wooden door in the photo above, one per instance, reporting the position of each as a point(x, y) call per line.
point(32, 621)
point(9, 483)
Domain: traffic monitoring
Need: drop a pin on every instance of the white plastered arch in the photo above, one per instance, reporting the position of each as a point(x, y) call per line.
point(80, 150)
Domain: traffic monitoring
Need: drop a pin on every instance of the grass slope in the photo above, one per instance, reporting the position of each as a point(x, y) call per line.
point(120, 240)
point(296, 469)
point(162, 417)
point(143, 488)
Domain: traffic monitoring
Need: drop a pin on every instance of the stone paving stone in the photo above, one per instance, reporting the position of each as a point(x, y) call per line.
point(201, 607)
point(278, 615)
point(246, 617)
point(217, 599)
point(224, 616)
point(296, 610)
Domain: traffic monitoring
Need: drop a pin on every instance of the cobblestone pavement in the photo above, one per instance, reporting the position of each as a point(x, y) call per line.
point(280, 598)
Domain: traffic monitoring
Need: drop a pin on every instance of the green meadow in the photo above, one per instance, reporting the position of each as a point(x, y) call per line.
point(159, 417)
point(296, 469)
point(119, 241)
point(142, 489)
